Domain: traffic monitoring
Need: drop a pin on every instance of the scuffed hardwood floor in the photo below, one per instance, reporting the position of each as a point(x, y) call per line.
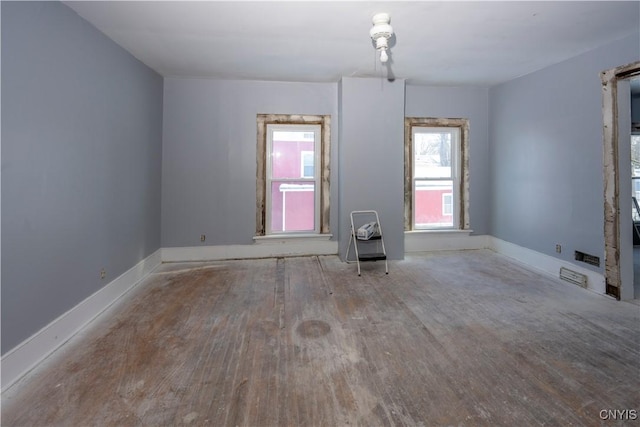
point(446, 339)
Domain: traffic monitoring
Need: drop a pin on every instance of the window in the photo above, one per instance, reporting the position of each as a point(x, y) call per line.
point(293, 175)
point(436, 174)
point(292, 194)
point(635, 174)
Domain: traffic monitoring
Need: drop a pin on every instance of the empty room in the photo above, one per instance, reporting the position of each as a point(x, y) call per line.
point(320, 213)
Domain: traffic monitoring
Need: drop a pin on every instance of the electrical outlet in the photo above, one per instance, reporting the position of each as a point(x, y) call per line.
point(103, 273)
point(558, 248)
point(203, 237)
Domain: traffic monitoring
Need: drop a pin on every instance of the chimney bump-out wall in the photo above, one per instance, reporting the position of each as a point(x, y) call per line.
point(372, 156)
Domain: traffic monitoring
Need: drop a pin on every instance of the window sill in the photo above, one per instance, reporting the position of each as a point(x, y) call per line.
point(442, 232)
point(297, 238)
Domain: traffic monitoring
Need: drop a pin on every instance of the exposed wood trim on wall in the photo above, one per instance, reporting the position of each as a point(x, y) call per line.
point(627, 71)
point(610, 160)
point(611, 182)
point(325, 174)
point(325, 178)
point(408, 172)
point(260, 174)
point(463, 193)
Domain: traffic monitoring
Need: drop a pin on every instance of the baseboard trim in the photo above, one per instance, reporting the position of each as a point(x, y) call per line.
point(277, 248)
point(545, 264)
point(31, 352)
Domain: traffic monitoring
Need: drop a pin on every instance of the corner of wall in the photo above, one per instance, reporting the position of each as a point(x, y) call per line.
point(34, 350)
point(545, 264)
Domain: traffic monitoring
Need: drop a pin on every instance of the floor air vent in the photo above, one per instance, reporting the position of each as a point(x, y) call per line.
point(573, 277)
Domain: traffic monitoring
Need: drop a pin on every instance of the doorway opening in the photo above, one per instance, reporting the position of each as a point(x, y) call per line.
point(618, 223)
point(634, 84)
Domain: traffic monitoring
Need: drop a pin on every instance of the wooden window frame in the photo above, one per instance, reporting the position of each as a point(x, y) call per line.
point(462, 197)
point(263, 120)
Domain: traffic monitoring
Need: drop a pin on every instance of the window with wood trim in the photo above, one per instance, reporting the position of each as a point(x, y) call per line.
point(436, 174)
point(293, 175)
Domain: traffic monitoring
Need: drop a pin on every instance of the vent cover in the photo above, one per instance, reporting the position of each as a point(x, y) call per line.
point(573, 277)
point(589, 259)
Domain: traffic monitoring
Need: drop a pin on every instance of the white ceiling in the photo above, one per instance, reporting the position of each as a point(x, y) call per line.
point(437, 42)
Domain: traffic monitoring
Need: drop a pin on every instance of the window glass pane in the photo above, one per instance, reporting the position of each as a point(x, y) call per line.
point(433, 207)
point(286, 154)
point(635, 174)
point(307, 158)
point(432, 154)
point(635, 155)
point(292, 206)
point(447, 204)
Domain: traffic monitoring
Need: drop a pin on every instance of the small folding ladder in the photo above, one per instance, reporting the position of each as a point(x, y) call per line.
point(362, 242)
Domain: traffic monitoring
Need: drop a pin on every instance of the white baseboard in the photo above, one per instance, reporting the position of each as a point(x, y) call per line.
point(546, 264)
point(24, 357)
point(28, 354)
point(275, 248)
point(450, 240)
point(461, 240)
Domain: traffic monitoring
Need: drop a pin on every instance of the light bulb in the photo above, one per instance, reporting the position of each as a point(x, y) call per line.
point(383, 56)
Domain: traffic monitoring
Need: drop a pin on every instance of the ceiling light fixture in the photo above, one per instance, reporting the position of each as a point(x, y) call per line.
point(381, 32)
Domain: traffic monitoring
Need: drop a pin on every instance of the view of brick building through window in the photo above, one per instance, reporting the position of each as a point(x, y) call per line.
point(293, 183)
point(434, 176)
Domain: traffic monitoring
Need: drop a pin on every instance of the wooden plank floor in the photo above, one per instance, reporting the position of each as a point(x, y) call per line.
point(452, 338)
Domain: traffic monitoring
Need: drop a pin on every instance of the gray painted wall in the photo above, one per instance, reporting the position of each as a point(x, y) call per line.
point(216, 162)
point(209, 154)
point(546, 154)
point(81, 157)
point(372, 157)
point(81, 163)
point(468, 103)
